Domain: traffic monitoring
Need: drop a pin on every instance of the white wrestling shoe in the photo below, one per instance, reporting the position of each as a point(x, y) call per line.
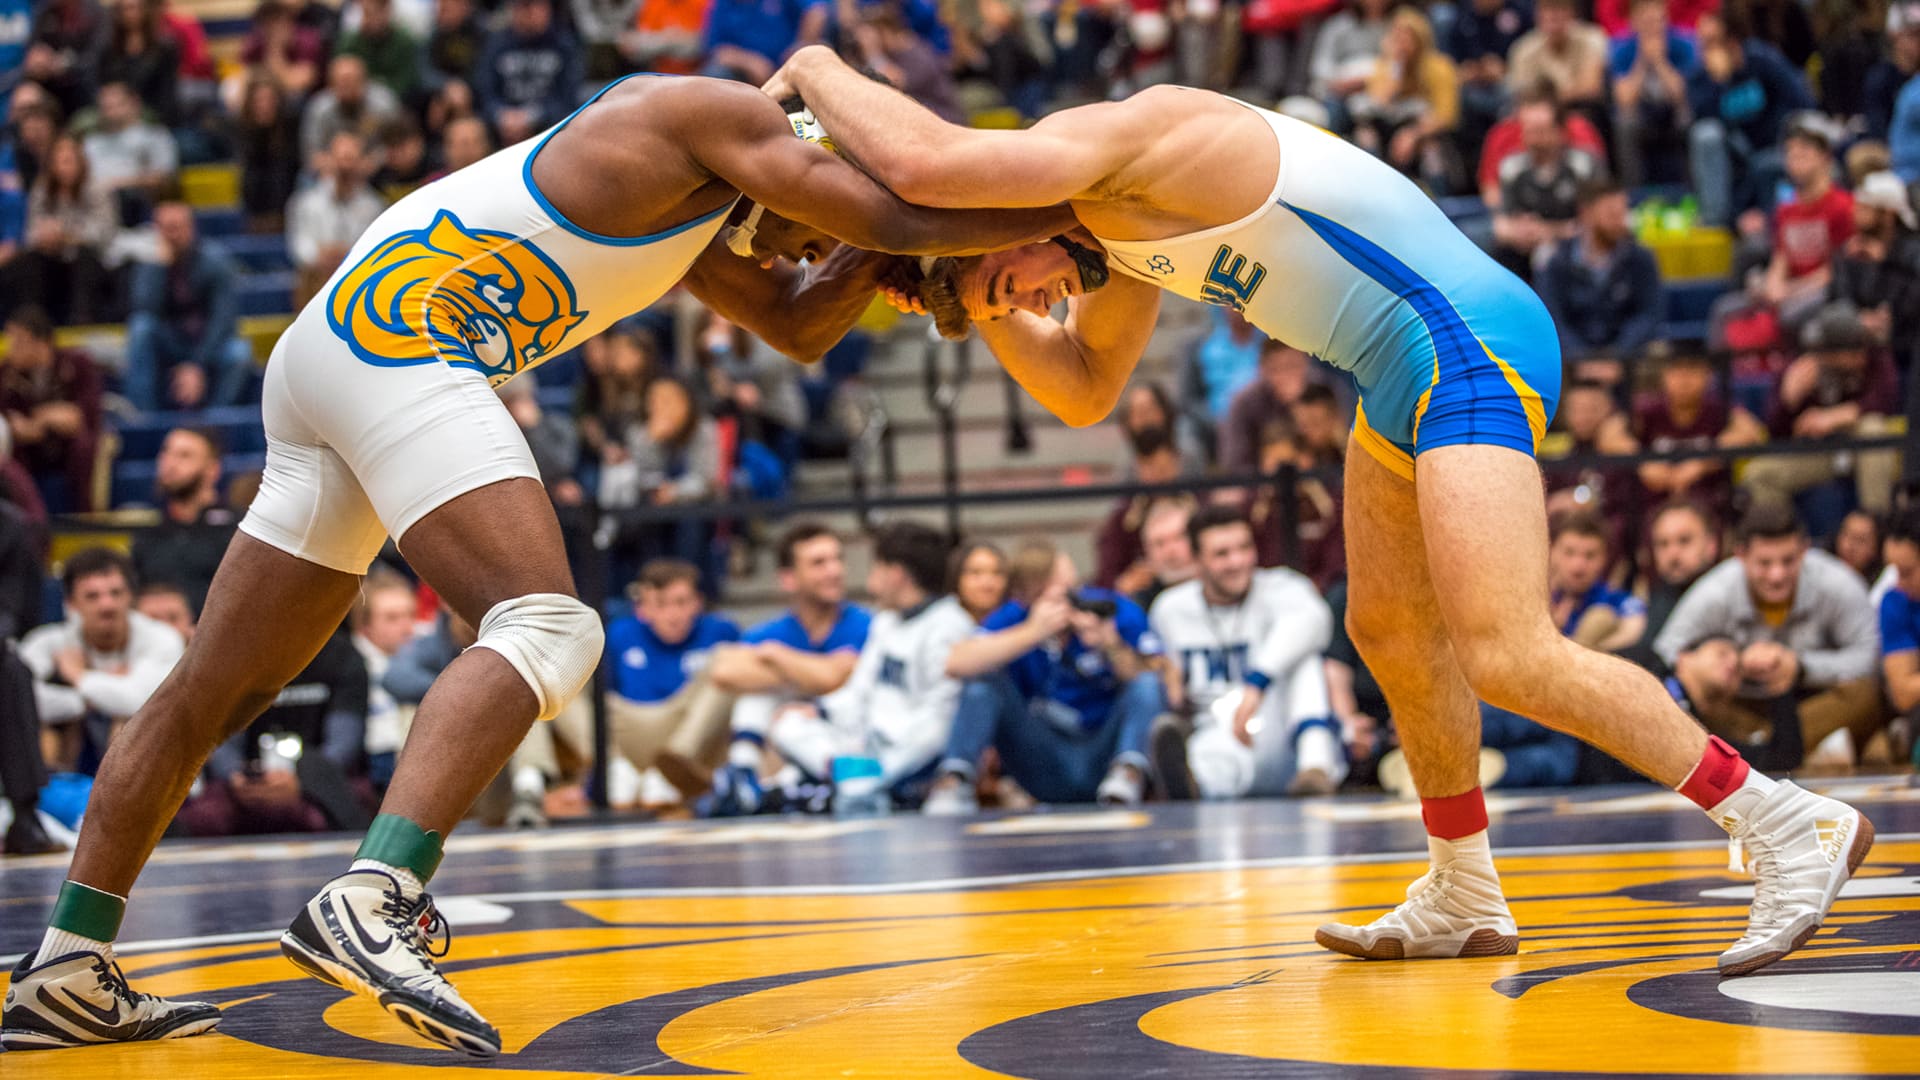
point(82, 998)
point(1801, 848)
point(952, 796)
point(1455, 909)
point(365, 934)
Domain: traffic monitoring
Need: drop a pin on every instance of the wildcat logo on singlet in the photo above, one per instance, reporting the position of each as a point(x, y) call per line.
point(471, 297)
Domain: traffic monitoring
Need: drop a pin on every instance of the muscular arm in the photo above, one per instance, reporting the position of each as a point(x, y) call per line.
point(1078, 368)
point(929, 161)
point(743, 138)
point(800, 312)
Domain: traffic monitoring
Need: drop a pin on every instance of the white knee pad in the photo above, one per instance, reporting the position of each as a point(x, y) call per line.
point(553, 641)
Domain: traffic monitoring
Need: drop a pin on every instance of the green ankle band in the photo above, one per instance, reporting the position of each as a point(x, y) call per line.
point(88, 912)
point(398, 842)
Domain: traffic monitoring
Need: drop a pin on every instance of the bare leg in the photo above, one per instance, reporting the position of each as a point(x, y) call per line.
point(267, 615)
point(1486, 527)
point(492, 544)
point(1395, 622)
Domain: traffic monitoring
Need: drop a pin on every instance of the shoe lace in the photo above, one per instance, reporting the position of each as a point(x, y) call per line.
point(1763, 862)
point(114, 981)
point(416, 922)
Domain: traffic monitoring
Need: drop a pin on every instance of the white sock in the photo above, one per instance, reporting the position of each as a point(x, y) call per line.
point(1473, 849)
point(529, 783)
point(59, 943)
point(410, 886)
point(1316, 748)
point(1730, 810)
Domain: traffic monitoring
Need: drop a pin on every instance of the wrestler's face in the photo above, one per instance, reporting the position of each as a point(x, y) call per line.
point(780, 238)
point(1030, 278)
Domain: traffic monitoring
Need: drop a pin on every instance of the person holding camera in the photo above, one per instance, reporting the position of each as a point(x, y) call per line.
point(1059, 680)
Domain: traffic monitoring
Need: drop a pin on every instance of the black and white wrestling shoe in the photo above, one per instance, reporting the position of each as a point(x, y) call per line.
point(82, 998)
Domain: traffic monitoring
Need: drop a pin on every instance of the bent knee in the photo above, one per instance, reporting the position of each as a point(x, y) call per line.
point(551, 639)
point(1504, 665)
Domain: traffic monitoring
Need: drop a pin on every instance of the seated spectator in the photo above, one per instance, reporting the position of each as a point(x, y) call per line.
point(1411, 105)
point(1479, 42)
point(1318, 541)
point(1165, 550)
point(50, 400)
point(898, 704)
point(1845, 386)
point(412, 669)
point(1121, 566)
point(1804, 627)
point(1878, 269)
point(1687, 415)
point(166, 603)
point(351, 103)
point(404, 164)
point(1595, 426)
point(1540, 187)
point(267, 142)
point(1343, 54)
point(1060, 682)
point(1707, 681)
point(1278, 35)
point(1283, 378)
point(1250, 641)
point(389, 54)
point(325, 219)
point(34, 129)
point(1566, 52)
point(554, 440)
point(1900, 621)
point(806, 653)
point(95, 669)
point(1584, 606)
point(977, 578)
point(282, 50)
point(184, 325)
point(185, 548)
point(1147, 407)
point(1650, 67)
point(666, 36)
point(292, 768)
point(131, 159)
point(1005, 46)
point(1225, 361)
point(1786, 25)
point(67, 38)
point(527, 77)
point(1684, 540)
point(143, 54)
point(1504, 140)
point(904, 59)
point(70, 222)
point(1323, 426)
point(1601, 286)
point(611, 396)
point(382, 624)
point(1740, 97)
point(672, 458)
point(749, 381)
point(196, 61)
point(454, 45)
point(465, 142)
point(1882, 83)
point(1809, 232)
point(1857, 543)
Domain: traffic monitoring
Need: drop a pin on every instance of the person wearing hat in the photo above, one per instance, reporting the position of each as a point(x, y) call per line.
point(1878, 270)
point(1845, 385)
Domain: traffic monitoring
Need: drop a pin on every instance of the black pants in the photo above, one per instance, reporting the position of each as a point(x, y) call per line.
point(22, 770)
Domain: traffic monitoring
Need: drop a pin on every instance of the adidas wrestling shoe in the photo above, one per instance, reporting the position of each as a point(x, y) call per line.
point(363, 933)
point(1455, 909)
point(1801, 848)
point(82, 998)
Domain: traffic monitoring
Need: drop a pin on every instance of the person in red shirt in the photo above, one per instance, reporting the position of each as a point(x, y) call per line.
point(1504, 140)
point(1808, 230)
point(1614, 16)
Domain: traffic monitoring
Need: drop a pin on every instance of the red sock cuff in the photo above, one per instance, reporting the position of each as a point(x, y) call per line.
point(1456, 815)
point(1719, 774)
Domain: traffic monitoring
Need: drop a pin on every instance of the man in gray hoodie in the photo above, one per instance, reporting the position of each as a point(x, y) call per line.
point(1803, 625)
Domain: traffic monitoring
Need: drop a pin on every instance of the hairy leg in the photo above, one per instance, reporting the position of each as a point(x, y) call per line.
point(491, 544)
point(266, 617)
point(1395, 622)
point(1486, 530)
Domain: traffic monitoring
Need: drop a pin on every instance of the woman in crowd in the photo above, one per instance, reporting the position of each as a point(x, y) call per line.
point(671, 458)
point(1411, 104)
point(70, 221)
point(267, 143)
point(1857, 543)
point(141, 53)
point(977, 577)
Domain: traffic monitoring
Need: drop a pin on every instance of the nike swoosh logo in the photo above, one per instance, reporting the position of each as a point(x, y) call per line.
point(108, 1016)
point(366, 939)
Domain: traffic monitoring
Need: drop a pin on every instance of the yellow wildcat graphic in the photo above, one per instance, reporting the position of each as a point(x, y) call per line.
point(470, 297)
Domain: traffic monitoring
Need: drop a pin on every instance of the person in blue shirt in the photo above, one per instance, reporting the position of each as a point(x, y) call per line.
point(806, 653)
point(747, 39)
point(1741, 95)
point(1900, 619)
point(1650, 67)
point(1060, 681)
point(529, 76)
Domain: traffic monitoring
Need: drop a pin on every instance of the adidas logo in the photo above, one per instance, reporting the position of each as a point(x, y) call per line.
point(1832, 835)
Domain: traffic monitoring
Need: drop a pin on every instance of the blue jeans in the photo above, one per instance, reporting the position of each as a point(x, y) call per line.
point(1730, 174)
point(1054, 766)
point(1537, 756)
point(154, 347)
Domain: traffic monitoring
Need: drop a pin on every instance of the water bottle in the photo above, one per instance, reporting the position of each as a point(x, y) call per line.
point(858, 788)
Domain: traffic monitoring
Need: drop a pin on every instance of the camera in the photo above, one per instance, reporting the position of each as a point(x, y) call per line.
point(1098, 606)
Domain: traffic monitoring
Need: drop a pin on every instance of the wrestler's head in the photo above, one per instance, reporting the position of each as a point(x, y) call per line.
point(1033, 277)
point(755, 233)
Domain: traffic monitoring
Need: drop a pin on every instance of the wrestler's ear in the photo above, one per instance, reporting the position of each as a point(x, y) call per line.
point(939, 289)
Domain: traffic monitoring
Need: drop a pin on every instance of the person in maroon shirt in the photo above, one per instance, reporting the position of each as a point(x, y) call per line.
point(281, 49)
point(1595, 425)
point(1320, 546)
point(1685, 414)
point(51, 400)
point(1845, 385)
point(1122, 563)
